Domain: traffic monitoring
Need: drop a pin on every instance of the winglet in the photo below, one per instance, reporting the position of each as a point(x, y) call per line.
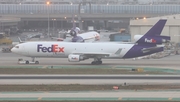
point(20, 41)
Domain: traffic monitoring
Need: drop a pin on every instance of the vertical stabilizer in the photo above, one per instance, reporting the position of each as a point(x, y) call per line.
point(157, 28)
point(153, 36)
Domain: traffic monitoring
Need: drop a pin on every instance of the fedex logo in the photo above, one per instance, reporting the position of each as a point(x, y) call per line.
point(150, 40)
point(52, 48)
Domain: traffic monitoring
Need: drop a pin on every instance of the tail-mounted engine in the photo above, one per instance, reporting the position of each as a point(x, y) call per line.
point(151, 39)
point(73, 33)
point(75, 37)
point(76, 58)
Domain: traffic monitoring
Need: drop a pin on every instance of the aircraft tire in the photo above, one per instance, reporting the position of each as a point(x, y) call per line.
point(27, 62)
point(100, 62)
point(96, 62)
point(93, 62)
point(37, 62)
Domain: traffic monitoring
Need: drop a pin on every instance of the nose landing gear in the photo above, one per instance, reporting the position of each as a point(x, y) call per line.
point(21, 61)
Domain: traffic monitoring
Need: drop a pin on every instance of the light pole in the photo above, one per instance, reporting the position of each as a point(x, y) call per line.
point(65, 23)
point(53, 25)
point(48, 3)
point(0, 26)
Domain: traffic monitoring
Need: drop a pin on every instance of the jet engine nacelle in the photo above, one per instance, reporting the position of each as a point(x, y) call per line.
point(75, 31)
point(151, 39)
point(137, 37)
point(76, 58)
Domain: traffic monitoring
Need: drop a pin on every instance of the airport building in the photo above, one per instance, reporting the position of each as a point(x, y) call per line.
point(138, 2)
point(102, 14)
point(172, 27)
point(120, 14)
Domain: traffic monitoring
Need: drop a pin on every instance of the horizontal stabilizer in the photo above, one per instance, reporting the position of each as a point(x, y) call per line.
point(146, 50)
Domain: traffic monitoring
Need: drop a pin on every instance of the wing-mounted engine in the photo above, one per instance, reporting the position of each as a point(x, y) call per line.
point(76, 58)
point(151, 39)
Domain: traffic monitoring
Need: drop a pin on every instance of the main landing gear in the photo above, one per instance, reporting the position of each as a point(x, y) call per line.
point(97, 61)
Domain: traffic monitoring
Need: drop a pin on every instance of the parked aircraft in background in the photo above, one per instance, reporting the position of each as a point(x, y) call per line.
point(76, 36)
point(75, 52)
point(29, 36)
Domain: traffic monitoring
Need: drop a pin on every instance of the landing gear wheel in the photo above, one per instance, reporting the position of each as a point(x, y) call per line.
point(100, 62)
point(96, 62)
point(27, 62)
point(93, 62)
point(37, 62)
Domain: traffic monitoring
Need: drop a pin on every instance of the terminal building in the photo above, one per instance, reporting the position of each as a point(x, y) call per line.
point(102, 14)
point(131, 2)
point(119, 14)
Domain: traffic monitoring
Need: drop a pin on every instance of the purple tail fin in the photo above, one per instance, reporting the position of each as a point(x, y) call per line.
point(153, 35)
point(157, 28)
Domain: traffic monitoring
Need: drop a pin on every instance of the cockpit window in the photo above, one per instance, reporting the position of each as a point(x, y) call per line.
point(16, 46)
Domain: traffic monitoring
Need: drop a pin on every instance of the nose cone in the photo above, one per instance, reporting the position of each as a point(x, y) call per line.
point(13, 50)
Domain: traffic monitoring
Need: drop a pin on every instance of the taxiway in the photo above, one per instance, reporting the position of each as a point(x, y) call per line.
point(11, 59)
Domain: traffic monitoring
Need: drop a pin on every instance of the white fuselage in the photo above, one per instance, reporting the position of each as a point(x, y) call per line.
point(87, 37)
point(63, 49)
point(90, 35)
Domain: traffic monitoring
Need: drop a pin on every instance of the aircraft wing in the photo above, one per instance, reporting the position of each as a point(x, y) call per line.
point(92, 54)
point(59, 39)
point(54, 38)
point(145, 50)
point(89, 40)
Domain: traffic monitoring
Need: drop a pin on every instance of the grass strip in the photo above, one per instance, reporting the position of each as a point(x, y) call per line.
point(75, 71)
point(77, 87)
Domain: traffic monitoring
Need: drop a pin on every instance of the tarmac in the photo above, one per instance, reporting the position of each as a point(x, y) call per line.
point(172, 62)
point(49, 79)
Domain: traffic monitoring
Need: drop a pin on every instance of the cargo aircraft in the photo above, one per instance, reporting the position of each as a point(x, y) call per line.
point(76, 36)
point(149, 43)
